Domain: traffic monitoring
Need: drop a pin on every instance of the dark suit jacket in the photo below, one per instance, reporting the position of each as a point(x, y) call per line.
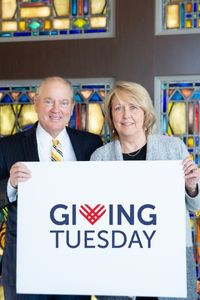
point(23, 147)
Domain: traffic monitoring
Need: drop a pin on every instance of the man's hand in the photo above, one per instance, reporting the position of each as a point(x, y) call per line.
point(19, 173)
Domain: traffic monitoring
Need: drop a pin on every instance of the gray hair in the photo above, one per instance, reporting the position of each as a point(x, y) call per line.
point(54, 78)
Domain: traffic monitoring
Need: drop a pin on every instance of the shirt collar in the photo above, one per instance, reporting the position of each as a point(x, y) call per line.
point(45, 138)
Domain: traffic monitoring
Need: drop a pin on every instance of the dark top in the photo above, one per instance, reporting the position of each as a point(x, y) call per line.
point(140, 154)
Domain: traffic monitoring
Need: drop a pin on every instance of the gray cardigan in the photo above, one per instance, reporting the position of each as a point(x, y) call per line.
point(159, 147)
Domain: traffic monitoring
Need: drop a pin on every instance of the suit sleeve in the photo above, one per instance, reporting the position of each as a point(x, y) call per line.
point(4, 175)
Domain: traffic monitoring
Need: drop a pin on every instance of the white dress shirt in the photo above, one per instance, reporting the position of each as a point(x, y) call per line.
point(44, 145)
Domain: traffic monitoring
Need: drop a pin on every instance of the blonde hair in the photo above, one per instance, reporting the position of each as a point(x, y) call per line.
point(139, 95)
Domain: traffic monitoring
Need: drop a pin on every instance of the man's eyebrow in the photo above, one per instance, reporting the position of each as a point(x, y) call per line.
point(47, 98)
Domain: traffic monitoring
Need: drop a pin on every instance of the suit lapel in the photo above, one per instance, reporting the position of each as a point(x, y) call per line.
point(76, 143)
point(29, 144)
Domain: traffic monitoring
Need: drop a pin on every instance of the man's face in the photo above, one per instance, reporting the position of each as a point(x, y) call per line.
point(54, 106)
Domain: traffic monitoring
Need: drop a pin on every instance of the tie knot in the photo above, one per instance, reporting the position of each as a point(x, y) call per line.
point(55, 142)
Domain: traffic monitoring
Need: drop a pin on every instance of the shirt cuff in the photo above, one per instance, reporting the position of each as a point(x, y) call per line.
point(11, 192)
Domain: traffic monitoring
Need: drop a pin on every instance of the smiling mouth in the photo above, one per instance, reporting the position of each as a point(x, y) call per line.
point(127, 124)
point(54, 118)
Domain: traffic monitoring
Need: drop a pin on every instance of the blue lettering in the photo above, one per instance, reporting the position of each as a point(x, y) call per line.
point(135, 239)
point(65, 217)
point(122, 212)
point(116, 237)
point(87, 238)
point(152, 221)
point(149, 238)
point(57, 236)
point(78, 239)
point(99, 234)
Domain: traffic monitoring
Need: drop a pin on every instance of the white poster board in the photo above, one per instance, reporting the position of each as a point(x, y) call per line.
point(102, 228)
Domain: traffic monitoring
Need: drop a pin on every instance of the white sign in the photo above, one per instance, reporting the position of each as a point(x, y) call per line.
point(102, 228)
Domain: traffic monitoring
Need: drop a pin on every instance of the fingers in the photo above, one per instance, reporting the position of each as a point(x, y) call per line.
point(191, 173)
point(19, 173)
point(190, 168)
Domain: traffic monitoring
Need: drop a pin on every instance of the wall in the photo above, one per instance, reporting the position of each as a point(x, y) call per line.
point(133, 54)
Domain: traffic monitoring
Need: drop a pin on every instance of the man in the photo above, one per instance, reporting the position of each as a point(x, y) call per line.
point(54, 105)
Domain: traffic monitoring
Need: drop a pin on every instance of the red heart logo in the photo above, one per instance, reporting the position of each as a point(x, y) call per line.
point(92, 215)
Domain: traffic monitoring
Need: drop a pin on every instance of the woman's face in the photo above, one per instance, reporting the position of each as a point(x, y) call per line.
point(127, 116)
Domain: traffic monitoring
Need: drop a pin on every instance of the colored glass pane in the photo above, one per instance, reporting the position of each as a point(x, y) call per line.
point(15, 95)
point(196, 95)
point(164, 101)
point(189, 7)
point(24, 99)
point(61, 7)
point(7, 120)
point(1, 96)
point(190, 118)
point(6, 99)
point(9, 26)
point(190, 142)
point(78, 98)
point(55, 19)
point(84, 117)
point(47, 24)
point(97, 22)
point(86, 94)
point(31, 95)
point(85, 7)
point(172, 16)
point(188, 23)
point(34, 25)
point(27, 116)
point(164, 125)
point(98, 6)
point(170, 92)
point(35, 12)
point(8, 8)
point(96, 118)
point(80, 22)
point(61, 24)
point(177, 118)
point(186, 92)
point(177, 96)
point(102, 93)
point(22, 26)
point(95, 97)
point(196, 119)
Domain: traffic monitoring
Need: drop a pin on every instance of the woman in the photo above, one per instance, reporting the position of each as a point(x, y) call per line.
point(131, 119)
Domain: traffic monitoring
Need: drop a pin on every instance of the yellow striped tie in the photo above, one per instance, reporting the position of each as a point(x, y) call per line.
point(56, 151)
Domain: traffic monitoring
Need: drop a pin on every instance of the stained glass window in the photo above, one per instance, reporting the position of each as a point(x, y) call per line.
point(178, 108)
point(55, 19)
point(177, 16)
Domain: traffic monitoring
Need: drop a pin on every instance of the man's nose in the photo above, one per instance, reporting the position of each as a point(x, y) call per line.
point(55, 106)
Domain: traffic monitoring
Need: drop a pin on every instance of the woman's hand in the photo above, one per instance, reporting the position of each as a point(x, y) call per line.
point(19, 173)
point(191, 173)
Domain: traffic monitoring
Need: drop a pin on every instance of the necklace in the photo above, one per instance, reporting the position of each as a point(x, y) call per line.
point(135, 153)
